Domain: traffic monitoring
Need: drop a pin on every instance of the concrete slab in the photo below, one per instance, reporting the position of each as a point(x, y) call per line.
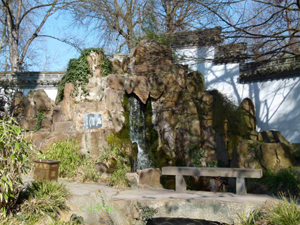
point(120, 205)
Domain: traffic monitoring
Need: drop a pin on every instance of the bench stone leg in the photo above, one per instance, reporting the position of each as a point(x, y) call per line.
point(180, 183)
point(241, 186)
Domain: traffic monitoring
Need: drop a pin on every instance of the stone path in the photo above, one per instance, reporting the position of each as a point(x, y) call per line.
point(121, 204)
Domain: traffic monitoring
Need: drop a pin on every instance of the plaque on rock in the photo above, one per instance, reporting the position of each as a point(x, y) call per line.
point(92, 121)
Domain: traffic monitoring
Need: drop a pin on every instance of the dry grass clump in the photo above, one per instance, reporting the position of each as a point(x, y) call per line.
point(286, 211)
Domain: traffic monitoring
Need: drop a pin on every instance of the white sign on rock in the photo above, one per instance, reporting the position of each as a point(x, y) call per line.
point(92, 121)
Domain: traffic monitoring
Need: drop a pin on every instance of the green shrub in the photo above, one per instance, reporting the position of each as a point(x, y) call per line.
point(145, 212)
point(44, 198)
point(39, 203)
point(283, 180)
point(72, 163)
point(116, 150)
point(14, 160)
point(67, 153)
point(198, 155)
point(90, 173)
point(118, 178)
point(285, 212)
point(253, 217)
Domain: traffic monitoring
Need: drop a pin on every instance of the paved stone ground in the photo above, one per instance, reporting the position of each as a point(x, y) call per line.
point(219, 207)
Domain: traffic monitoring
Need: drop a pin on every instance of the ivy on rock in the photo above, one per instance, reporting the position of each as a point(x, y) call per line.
point(78, 71)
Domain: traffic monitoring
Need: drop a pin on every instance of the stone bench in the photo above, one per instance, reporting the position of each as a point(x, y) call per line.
point(239, 174)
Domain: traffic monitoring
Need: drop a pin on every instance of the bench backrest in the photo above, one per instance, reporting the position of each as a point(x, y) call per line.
point(212, 172)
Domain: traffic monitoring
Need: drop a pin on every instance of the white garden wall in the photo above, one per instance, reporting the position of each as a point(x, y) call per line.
point(50, 91)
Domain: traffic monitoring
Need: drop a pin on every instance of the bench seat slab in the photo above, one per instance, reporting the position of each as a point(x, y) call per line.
point(212, 172)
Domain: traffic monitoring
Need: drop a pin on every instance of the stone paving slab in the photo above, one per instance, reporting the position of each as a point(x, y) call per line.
point(210, 206)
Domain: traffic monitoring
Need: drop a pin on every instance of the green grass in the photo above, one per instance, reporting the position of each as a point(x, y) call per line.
point(67, 153)
point(251, 219)
point(72, 163)
point(272, 182)
point(40, 202)
point(284, 180)
point(118, 178)
point(286, 212)
point(44, 198)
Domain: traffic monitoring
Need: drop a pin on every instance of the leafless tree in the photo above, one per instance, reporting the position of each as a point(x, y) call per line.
point(271, 28)
point(124, 21)
point(20, 28)
point(182, 15)
point(114, 19)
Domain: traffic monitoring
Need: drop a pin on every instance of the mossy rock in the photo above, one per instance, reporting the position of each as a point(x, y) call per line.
point(254, 154)
point(124, 133)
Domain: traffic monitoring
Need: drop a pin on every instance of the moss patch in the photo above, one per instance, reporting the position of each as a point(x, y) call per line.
point(124, 133)
point(151, 135)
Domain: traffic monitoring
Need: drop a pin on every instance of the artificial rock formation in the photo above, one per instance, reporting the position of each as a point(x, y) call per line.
point(185, 117)
point(27, 109)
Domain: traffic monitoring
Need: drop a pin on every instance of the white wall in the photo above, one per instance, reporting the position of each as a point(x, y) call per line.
point(50, 91)
point(276, 102)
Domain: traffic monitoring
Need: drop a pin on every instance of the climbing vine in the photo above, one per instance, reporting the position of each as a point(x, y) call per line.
point(146, 213)
point(78, 71)
point(40, 118)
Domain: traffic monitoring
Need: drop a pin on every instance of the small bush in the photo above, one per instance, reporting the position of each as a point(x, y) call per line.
point(198, 155)
point(42, 199)
point(73, 164)
point(67, 153)
point(90, 173)
point(118, 178)
point(253, 217)
point(145, 212)
point(14, 160)
point(286, 212)
point(116, 150)
point(283, 180)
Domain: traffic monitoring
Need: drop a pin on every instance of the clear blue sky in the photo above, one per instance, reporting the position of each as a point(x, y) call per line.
point(54, 52)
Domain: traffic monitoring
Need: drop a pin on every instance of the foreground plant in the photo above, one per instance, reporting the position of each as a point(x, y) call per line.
point(14, 160)
point(285, 212)
point(43, 198)
point(41, 203)
point(251, 219)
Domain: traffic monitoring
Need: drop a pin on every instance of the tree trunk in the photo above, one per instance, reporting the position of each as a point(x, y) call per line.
point(13, 41)
point(14, 51)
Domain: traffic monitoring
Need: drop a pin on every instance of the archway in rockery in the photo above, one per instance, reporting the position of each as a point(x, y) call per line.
point(181, 221)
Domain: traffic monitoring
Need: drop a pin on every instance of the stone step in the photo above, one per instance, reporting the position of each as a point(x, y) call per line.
point(61, 126)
